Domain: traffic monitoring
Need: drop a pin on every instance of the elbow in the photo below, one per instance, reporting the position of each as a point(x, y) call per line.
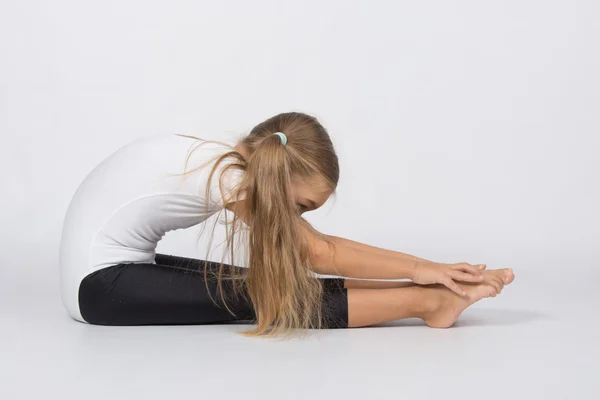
point(322, 257)
point(318, 254)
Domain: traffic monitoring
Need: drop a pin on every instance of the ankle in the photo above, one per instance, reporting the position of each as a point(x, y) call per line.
point(430, 301)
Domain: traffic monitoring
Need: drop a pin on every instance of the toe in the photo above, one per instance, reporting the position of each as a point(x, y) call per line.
point(509, 276)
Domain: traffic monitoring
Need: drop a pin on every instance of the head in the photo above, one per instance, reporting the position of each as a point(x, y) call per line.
point(311, 161)
point(280, 183)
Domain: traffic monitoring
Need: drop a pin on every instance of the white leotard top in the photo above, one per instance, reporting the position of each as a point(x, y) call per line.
point(127, 203)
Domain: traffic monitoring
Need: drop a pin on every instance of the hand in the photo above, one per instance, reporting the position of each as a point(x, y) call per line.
point(428, 273)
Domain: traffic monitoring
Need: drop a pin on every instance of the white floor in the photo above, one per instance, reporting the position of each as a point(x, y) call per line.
point(539, 340)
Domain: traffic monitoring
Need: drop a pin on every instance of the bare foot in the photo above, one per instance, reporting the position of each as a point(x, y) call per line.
point(447, 305)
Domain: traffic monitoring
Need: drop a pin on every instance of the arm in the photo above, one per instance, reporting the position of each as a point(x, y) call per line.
point(334, 256)
point(373, 284)
point(373, 249)
point(356, 263)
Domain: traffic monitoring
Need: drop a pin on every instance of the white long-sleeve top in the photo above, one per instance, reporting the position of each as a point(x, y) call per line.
point(127, 203)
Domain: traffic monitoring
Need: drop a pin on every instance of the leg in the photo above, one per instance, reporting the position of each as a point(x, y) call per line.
point(335, 295)
point(368, 284)
point(372, 306)
point(156, 294)
point(161, 294)
point(437, 306)
point(186, 263)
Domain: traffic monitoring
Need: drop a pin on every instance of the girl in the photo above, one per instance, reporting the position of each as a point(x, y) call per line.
point(286, 166)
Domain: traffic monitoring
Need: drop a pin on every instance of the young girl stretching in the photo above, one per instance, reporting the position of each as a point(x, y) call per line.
point(286, 166)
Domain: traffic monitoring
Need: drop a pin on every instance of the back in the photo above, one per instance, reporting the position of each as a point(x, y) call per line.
point(127, 203)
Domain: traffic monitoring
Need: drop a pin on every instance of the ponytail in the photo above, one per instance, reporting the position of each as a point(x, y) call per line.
point(279, 282)
point(281, 286)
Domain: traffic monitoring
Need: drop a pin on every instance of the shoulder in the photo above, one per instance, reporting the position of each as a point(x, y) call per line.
point(202, 150)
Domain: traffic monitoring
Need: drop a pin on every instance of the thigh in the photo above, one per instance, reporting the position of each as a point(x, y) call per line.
point(194, 264)
point(157, 294)
point(174, 291)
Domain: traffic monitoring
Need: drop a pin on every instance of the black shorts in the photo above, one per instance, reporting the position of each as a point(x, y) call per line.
point(173, 292)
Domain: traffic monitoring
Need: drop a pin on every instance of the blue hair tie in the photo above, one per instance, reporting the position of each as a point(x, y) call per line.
point(282, 137)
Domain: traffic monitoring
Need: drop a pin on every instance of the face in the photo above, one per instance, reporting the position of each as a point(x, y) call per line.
point(310, 194)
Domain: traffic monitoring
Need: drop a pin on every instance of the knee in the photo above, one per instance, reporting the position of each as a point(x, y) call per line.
point(97, 305)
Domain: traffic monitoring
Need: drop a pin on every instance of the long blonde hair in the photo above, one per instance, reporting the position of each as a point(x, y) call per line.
point(279, 281)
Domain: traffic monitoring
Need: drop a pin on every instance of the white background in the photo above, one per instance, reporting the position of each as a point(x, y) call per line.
point(466, 131)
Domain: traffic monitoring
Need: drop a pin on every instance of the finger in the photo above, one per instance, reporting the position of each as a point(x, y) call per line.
point(462, 276)
point(476, 266)
point(450, 284)
point(468, 268)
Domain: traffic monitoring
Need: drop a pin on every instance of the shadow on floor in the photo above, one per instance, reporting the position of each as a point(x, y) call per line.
point(482, 317)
